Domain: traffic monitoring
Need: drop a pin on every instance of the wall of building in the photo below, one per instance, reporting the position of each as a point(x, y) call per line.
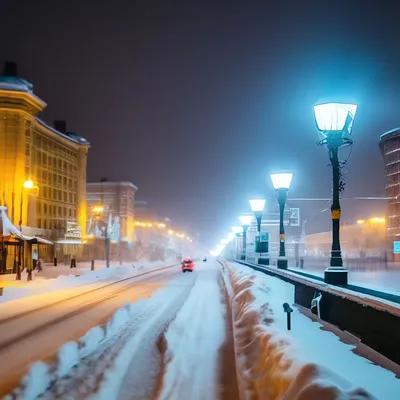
point(115, 199)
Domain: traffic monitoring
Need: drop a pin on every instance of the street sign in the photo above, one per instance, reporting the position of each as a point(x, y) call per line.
point(396, 247)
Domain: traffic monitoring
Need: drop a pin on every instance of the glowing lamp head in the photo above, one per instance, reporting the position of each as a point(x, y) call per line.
point(28, 184)
point(281, 180)
point(334, 118)
point(246, 220)
point(98, 209)
point(225, 241)
point(257, 205)
point(237, 229)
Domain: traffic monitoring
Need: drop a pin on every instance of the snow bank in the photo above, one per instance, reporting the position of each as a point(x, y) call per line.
point(300, 364)
point(63, 282)
point(192, 351)
point(34, 383)
point(41, 376)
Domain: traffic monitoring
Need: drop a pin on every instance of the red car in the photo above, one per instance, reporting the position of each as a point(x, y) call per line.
point(187, 265)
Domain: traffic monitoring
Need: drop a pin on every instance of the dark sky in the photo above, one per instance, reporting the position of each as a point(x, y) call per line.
point(196, 101)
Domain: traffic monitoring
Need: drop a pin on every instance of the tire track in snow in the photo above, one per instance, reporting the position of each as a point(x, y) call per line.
point(98, 376)
point(193, 341)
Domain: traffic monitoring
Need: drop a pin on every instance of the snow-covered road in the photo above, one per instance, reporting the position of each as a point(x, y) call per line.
point(34, 328)
point(216, 333)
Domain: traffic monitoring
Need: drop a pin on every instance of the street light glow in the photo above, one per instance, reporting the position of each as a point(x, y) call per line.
point(28, 184)
point(225, 241)
point(281, 180)
point(334, 117)
point(361, 221)
point(257, 205)
point(237, 229)
point(98, 209)
point(378, 220)
point(246, 220)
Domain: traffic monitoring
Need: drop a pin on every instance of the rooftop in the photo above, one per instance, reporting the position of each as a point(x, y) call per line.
point(111, 183)
point(392, 131)
point(10, 80)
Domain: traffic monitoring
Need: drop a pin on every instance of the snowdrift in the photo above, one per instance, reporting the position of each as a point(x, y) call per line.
point(270, 363)
point(41, 376)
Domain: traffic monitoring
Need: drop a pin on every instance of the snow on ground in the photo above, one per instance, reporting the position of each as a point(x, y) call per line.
point(122, 359)
point(193, 340)
point(99, 361)
point(85, 277)
point(304, 363)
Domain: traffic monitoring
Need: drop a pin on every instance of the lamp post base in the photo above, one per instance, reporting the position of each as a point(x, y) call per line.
point(282, 263)
point(263, 260)
point(336, 276)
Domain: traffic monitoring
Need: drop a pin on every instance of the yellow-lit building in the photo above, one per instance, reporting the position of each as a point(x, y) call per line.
point(42, 169)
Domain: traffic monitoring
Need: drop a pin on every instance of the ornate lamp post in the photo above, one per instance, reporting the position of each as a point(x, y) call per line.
point(245, 221)
point(257, 206)
point(28, 184)
point(281, 182)
point(237, 231)
point(335, 122)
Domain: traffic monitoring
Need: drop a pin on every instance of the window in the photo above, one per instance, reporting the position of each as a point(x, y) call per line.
point(74, 212)
point(45, 192)
point(45, 224)
point(69, 212)
point(65, 212)
point(59, 164)
point(65, 182)
point(54, 162)
point(45, 209)
point(44, 159)
point(70, 197)
point(65, 196)
point(59, 212)
point(59, 180)
point(59, 195)
point(38, 223)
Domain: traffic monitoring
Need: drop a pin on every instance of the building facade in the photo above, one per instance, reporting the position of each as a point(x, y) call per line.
point(42, 168)
point(107, 201)
point(390, 149)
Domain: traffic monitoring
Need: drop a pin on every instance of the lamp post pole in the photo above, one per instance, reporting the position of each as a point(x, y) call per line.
point(282, 260)
point(245, 221)
point(335, 122)
point(281, 182)
point(244, 242)
point(260, 247)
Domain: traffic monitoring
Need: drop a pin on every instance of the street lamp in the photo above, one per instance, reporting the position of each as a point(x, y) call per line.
point(281, 182)
point(237, 231)
point(335, 122)
point(28, 184)
point(257, 206)
point(245, 221)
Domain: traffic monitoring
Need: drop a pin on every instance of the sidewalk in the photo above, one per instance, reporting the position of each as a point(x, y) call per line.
point(52, 272)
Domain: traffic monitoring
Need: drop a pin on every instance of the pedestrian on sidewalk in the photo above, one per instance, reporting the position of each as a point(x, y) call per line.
point(39, 266)
point(73, 261)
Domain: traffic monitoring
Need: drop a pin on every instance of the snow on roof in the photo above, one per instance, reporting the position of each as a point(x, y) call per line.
point(395, 130)
point(15, 83)
point(73, 137)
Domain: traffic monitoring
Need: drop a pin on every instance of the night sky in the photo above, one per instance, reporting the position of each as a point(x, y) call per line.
point(196, 101)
